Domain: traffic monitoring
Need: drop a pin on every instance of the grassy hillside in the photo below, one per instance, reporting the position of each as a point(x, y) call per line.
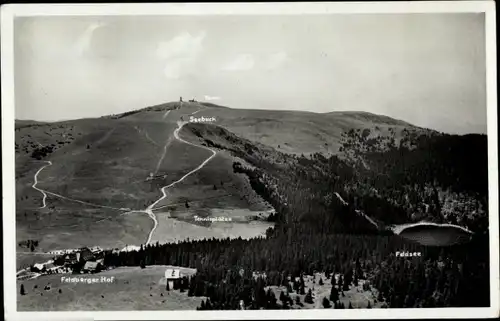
point(147, 285)
point(297, 132)
point(65, 224)
point(27, 123)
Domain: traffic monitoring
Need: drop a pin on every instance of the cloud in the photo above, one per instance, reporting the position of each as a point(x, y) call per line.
point(84, 41)
point(182, 45)
point(276, 60)
point(180, 54)
point(211, 98)
point(175, 68)
point(240, 63)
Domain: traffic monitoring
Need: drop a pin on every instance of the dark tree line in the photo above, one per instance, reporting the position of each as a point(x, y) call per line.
point(445, 277)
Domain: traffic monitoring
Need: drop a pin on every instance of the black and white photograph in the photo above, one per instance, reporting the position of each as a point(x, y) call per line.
point(171, 160)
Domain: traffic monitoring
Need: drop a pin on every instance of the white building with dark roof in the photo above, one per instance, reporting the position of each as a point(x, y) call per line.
point(90, 266)
point(171, 276)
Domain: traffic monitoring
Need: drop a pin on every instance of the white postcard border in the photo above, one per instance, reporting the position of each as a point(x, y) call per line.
point(9, 12)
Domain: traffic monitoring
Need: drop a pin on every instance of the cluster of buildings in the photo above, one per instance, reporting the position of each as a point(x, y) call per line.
point(88, 260)
point(69, 251)
point(48, 268)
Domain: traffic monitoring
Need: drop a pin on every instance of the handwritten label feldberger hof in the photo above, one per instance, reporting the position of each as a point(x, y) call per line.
point(87, 280)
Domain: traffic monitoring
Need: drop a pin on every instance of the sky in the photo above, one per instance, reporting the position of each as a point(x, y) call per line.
point(426, 69)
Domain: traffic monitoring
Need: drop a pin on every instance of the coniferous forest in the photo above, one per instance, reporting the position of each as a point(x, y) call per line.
point(318, 226)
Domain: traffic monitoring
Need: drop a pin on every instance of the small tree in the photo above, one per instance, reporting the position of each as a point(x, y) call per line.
point(345, 287)
point(208, 305)
point(296, 286)
point(271, 298)
point(282, 297)
point(350, 305)
point(326, 303)
point(23, 292)
point(334, 294)
point(302, 288)
point(309, 298)
point(285, 304)
point(369, 305)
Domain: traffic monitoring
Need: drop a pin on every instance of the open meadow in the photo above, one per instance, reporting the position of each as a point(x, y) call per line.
point(66, 224)
point(132, 289)
point(171, 230)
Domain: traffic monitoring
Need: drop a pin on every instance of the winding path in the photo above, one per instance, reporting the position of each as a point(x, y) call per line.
point(49, 163)
point(166, 114)
point(169, 140)
point(150, 208)
point(45, 192)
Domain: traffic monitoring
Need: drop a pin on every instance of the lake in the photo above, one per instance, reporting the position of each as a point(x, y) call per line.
point(432, 234)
